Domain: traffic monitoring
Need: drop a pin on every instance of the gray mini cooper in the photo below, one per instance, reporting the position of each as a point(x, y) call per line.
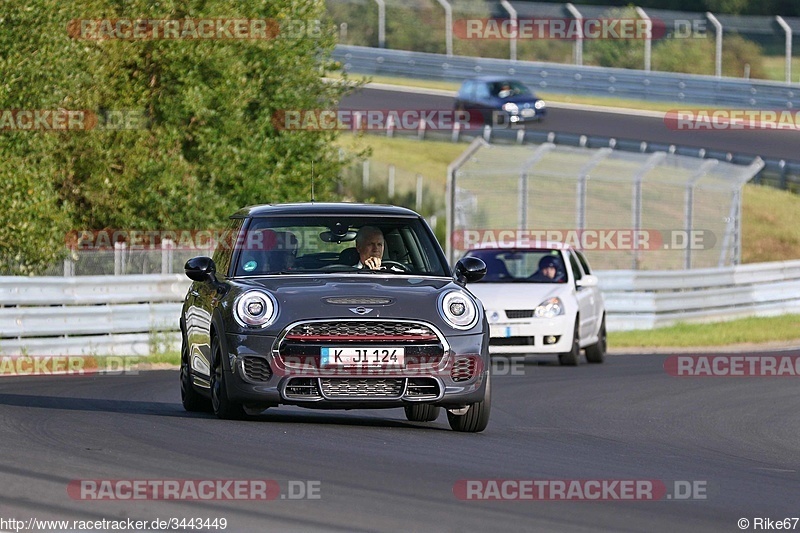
point(334, 306)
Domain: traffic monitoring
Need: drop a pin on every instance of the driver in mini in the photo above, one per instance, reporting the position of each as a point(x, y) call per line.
point(370, 245)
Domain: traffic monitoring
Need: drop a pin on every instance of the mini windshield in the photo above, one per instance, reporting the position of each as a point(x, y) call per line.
point(325, 244)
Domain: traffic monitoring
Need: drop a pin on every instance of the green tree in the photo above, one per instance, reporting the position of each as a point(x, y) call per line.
point(619, 53)
point(209, 143)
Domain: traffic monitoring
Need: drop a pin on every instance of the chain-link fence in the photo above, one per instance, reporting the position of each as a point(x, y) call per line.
point(655, 211)
point(164, 258)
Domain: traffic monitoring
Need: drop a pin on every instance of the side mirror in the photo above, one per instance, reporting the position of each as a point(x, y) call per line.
point(200, 268)
point(469, 269)
point(589, 280)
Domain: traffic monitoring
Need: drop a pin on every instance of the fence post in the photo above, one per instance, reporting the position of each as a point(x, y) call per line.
point(448, 22)
point(365, 174)
point(788, 65)
point(419, 193)
point(579, 37)
point(120, 258)
point(69, 265)
point(391, 181)
point(167, 247)
point(648, 41)
point(381, 23)
point(513, 40)
point(718, 55)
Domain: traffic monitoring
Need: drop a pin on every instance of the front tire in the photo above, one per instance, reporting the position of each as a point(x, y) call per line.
point(223, 406)
point(476, 418)
point(422, 412)
point(596, 353)
point(570, 358)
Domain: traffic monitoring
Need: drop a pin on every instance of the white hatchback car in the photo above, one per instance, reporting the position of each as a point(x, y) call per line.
point(542, 300)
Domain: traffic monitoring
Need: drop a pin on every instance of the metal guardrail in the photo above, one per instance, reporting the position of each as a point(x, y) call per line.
point(90, 315)
point(650, 299)
point(67, 316)
point(573, 79)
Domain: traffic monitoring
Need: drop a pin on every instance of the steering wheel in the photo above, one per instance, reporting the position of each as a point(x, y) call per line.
point(388, 263)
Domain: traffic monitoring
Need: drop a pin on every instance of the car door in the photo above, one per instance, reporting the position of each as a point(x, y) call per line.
point(586, 296)
point(483, 104)
point(599, 305)
point(205, 296)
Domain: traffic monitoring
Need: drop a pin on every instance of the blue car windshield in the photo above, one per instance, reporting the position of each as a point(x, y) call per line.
point(509, 89)
point(327, 244)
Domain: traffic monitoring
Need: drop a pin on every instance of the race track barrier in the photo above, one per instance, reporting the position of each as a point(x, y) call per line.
point(136, 315)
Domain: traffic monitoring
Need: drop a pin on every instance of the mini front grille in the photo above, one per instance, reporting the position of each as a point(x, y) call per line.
point(519, 313)
point(511, 341)
point(357, 329)
point(257, 368)
point(302, 388)
point(422, 388)
point(463, 369)
point(362, 387)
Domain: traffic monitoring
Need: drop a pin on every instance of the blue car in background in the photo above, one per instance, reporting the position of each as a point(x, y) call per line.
point(499, 101)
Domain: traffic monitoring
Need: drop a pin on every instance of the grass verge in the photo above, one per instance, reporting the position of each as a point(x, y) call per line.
point(754, 330)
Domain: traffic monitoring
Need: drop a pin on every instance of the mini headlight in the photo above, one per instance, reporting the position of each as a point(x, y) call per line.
point(255, 309)
point(539, 104)
point(511, 107)
point(549, 308)
point(458, 310)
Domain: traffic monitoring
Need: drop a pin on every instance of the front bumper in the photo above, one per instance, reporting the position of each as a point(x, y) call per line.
point(531, 336)
point(257, 375)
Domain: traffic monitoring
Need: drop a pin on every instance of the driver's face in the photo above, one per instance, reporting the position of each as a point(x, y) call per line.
point(371, 247)
point(549, 271)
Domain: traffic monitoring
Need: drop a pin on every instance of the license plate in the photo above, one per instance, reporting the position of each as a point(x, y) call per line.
point(503, 331)
point(362, 356)
point(527, 113)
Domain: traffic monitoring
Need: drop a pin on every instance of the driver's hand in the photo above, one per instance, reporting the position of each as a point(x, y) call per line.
point(373, 263)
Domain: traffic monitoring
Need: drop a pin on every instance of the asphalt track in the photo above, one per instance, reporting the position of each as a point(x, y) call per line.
point(736, 438)
point(632, 125)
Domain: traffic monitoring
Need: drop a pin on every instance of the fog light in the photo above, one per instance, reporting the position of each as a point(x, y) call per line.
point(551, 339)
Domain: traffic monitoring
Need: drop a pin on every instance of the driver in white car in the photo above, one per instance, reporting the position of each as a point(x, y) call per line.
point(548, 270)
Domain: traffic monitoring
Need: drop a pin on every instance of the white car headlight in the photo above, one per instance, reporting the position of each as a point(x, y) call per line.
point(539, 104)
point(458, 310)
point(255, 309)
point(549, 308)
point(511, 107)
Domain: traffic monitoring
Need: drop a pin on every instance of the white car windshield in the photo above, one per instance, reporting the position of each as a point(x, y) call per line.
point(529, 266)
